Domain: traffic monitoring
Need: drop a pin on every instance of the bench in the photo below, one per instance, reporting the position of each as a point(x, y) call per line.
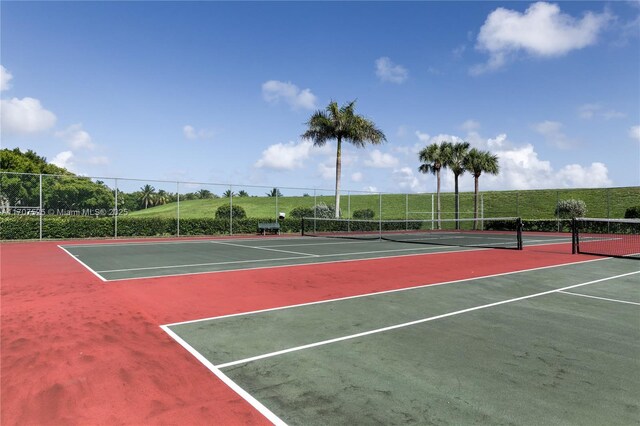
point(273, 228)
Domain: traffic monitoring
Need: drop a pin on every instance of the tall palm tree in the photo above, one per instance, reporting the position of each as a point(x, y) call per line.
point(275, 192)
point(204, 193)
point(146, 196)
point(456, 154)
point(341, 124)
point(478, 162)
point(161, 198)
point(433, 158)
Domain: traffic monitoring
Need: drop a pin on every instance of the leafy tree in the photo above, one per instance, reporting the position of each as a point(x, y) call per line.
point(300, 212)
point(161, 198)
point(434, 159)
point(223, 212)
point(146, 196)
point(478, 162)
point(455, 159)
point(204, 193)
point(69, 193)
point(275, 192)
point(632, 212)
point(364, 214)
point(569, 209)
point(341, 124)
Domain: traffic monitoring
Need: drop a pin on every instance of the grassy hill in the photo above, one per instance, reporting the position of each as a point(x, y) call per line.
point(533, 204)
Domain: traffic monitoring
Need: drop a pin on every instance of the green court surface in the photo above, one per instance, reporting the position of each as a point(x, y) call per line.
point(554, 345)
point(116, 261)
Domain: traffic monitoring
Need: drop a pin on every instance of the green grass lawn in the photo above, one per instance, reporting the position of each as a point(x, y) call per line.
point(533, 204)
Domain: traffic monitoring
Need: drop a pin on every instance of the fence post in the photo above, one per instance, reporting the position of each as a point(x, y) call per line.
point(380, 218)
point(178, 207)
point(230, 209)
point(277, 215)
point(115, 212)
point(41, 207)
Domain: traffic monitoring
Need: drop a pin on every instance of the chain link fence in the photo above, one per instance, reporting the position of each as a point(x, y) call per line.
point(34, 206)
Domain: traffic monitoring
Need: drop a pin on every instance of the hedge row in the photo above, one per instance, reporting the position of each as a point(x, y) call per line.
point(28, 227)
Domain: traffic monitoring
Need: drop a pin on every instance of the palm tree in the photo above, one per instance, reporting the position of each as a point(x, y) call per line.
point(275, 192)
point(161, 198)
point(243, 193)
point(228, 193)
point(341, 124)
point(433, 158)
point(478, 162)
point(146, 197)
point(204, 193)
point(456, 154)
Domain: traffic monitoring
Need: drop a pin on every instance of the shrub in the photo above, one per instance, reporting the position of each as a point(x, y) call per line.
point(568, 209)
point(364, 214)
point(323, 210)
point(300, 212)
point(632, 213)
point(224, 211)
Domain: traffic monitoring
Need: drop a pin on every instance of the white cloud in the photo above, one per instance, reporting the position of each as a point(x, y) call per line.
point(274, 91)
point(5, 77)
point(410, 180)
point(542, 31)
point(388, 71)
point(327, 172)
point(76, 137)
point(520, 168)
point(589, 111)
point(423, 137)
point(63, 159)
point(470, 125)
point(192, 134)
point(634, 132)
point(24, 116)
point(552, 131)
point(370, 189)
point(380, 160)
point(356, 177)
point(285, 156)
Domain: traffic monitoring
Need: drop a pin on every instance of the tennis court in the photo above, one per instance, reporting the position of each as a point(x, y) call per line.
point(117, 261)
point(555, 345)
point(363, 325)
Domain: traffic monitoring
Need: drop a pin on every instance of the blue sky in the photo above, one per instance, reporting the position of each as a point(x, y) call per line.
point(219, 92)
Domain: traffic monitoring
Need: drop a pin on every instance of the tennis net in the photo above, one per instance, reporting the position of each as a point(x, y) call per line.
point(607, 237)
point(489, 233)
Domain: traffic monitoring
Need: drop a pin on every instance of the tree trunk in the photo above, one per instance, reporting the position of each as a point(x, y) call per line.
point(457, 202)
point(438, 195)
point(338, 166)
point(475, 202)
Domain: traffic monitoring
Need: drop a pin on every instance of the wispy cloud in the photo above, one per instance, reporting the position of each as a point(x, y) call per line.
point(76, 137)
point(274, 92)
point(389, 72)
point(191, 133)
point(5, 78)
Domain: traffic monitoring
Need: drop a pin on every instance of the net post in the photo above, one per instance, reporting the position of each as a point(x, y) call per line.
point(574, 236)
point(519, 227)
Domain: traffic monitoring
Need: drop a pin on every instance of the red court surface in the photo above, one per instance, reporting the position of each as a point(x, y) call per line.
point(76, 350)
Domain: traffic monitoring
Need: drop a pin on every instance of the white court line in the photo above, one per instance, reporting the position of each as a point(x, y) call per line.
point(295, 265)
point(377, 293)
point(203, 240)
point(601, 298)
point(410, 323)
point(232, 262)
point(82, 263)
point(263, 248)
point(225, 379)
